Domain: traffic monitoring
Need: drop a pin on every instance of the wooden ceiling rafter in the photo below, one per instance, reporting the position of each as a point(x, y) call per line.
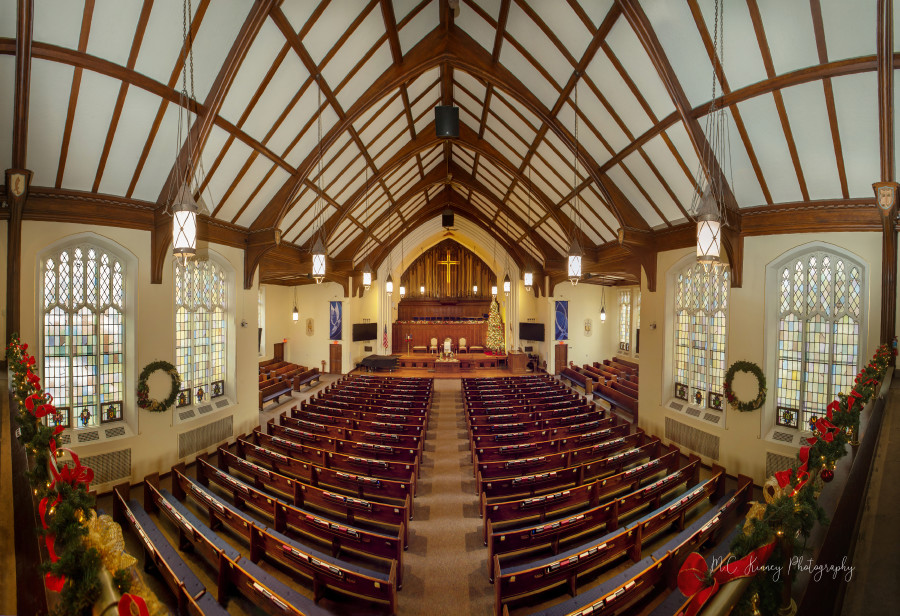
point(23, 53)
point(886, 59)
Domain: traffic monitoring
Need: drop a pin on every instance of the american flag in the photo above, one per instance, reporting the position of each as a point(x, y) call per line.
point(384, 338)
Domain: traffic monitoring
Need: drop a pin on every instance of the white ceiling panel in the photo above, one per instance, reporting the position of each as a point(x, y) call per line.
point(554, 235)
point(354, 48)
point(377, 64)
point(789, 33)
point(591, 196)
point(651, 185)
point(512, 138)
point(218, 31)
point(553, 186)
point(422, 83)
point(566, 24)
point(7, 76)
point(262, 53)
point(631, 192)
point(767, 136)
point(112, 29)
point(597, 10)
point(276, 180)
point(856, 105)
point(159, 161)
point(292, 124)
point(403, 7)
point(671, 171)
point(805, 105)
point(383, 157)
point(630, 53)
point(849, 27)
point(742, 178)
point(521, 27)
point(743, 60)
point(589, 106)
point(679, 138)
point(470, 83)
point(244, 188)
point(49, 101)
point(386, 115)
point(8, 21)
point(546, 92)
point(231, 165)
point(586, 221)
point(426, 103)
point(329, 27)
point(138, 113)
point(422, 24)
point(560, 156)
point(162, 43)
point(284, 86)
point(514, 157)
point(309, 223)
point(305, 199)
point(475, 26)
point(602, 72)
point(352, 179)
point(59, 22)
point(541, 185)
point(96, 99)
point(389, 135)
point(677, 32)
point(298, 13)
point(339, 163)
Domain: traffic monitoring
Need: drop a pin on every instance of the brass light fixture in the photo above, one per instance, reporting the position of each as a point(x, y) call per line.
point(319, 256)
point(575, 253)
point(295, 315)
point(603, 305)
point(528, 277)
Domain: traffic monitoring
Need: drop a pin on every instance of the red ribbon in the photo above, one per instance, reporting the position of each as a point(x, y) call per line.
point(132, 605)
point(695, 582)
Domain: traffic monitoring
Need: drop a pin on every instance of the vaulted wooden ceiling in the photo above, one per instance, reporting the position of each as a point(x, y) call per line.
point(90, 104)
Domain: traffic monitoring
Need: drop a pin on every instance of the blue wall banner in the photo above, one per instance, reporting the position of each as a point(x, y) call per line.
point(335, 321)
point(562, 320)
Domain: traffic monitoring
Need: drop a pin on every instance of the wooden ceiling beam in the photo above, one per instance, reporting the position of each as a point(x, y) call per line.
point(23, 49)
point(639, 22)
point(886, 61)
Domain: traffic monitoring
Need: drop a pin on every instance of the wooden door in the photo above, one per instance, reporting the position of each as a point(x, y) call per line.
point(334, 357)
point(562, 357)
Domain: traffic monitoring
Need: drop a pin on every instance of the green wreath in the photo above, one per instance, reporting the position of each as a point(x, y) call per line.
point(143, 390)
point(745, 366)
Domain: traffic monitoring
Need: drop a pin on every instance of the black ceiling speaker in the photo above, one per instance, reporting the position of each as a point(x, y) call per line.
point(446, 121)
point(447, 218)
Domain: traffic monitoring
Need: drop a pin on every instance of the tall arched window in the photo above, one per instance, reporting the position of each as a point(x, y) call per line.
point(819, 297)
point(200, 330)
point(625, 321)
point(701, 304)
point(83, 337)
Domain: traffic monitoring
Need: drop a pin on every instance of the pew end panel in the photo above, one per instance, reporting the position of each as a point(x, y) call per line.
point(150, 505)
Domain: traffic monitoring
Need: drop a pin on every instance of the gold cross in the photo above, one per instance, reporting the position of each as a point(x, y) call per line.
point(447, 264)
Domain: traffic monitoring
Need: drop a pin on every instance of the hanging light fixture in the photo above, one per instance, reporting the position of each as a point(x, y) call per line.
point(402, 288)
point(367, 276)
point(708, 203)
point(603, 305)
point(575, 254)
point(319, 256)
point(507, 285)
point(528, 276)
point(474, 289)
point(493, 290)
point(389, 285)
point(295, 315)
point(184, 207)
point(422, 290)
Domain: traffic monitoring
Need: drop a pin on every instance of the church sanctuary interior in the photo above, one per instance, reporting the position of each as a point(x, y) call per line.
point(554, 307)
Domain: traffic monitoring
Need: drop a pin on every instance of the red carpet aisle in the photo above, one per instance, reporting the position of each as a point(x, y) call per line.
point(446, 564)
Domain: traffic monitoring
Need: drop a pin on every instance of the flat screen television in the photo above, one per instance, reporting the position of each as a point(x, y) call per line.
point(531, 331)
point(365, 331)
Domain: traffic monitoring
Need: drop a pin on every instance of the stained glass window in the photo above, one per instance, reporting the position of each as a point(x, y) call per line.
point(83, 337)
point(200, 330)
point(701, 304)
point(625, 320)
point(819, 312)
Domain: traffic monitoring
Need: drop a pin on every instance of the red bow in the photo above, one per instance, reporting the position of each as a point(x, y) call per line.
point(694, 580)
point(132, 605)
point(73, 475)
point(40, 405)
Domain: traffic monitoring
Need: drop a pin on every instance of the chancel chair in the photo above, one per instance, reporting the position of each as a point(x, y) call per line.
point(462, 346)
point(434, 347)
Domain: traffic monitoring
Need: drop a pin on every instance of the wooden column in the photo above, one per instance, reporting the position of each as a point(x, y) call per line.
point(886, 189)
point(17, 183)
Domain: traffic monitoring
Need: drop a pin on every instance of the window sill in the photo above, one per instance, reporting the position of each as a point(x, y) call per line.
point(707, 417)
point(193, 412)
point(788, 437)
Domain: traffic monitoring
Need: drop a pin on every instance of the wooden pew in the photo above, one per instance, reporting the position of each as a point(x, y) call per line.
point(616, 398)
point(577, 378)
point(585, 422)
point(510, 450)
point(273, 392)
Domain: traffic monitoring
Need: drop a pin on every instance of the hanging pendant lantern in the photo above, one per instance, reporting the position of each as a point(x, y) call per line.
point(574, 262)
point(493, 290)
point(529, 281)
point(422, 290)
point(507, 285)
point(402, 291)
point(184, 224)
point(367, 276)
point(389, 285)
point(474, 289)
point(318, 261)
point(295, 315)
point(709, 229)
point(603, 305)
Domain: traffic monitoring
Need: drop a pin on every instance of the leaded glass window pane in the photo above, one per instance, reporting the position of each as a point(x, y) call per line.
point(200, 328)
point(701, 297)
point(625, 320)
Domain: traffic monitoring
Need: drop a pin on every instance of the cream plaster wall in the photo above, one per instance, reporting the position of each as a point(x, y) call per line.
point(584, 303)
point(742, 447)
point(154, 446)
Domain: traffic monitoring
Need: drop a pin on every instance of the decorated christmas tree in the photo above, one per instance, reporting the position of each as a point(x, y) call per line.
point(494, 341)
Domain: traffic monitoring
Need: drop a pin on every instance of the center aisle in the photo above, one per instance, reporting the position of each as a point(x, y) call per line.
point(446, 566)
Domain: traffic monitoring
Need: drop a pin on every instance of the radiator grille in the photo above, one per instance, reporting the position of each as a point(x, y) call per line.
point(112, 466)
point(117, 431)
point(221, 404)
point(85, 437)
point(784, 437)
point(200, 439)
point(676, 406)
point(712, 418)
point(693, 412)
point(188, 414)
point(777, 462)
point(63, 439)
point(704, 443)
point(206, 408)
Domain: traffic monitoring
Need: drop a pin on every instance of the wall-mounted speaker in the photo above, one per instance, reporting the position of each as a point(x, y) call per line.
point(447, 218)
point(446, 121)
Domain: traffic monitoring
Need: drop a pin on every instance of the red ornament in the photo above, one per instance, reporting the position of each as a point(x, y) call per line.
point(827, 475)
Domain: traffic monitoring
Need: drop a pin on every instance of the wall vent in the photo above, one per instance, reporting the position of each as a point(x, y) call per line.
point(221, 404)
point(63, 439)
point(85, 437)
point(693, 412)
point(206, 408)
point(777, 462)
point(200, 439)
point(704, 443)
point(784, 437)
point(188, 414)
point(108, 467)
point(712, 418)
point(117, 431)
point(676, 406)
